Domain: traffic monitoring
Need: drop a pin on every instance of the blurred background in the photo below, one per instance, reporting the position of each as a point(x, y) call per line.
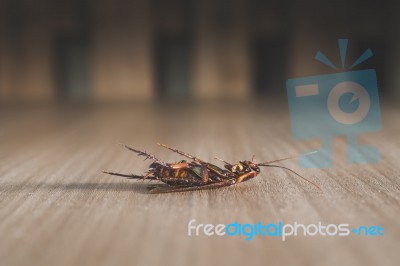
point(146, 50)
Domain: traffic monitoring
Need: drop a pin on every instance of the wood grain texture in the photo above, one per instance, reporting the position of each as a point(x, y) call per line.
point(57, 208)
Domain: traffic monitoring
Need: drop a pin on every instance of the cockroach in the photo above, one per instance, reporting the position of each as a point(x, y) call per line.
point(198, 174)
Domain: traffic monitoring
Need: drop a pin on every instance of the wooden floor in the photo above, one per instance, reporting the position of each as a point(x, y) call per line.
point(58, 208)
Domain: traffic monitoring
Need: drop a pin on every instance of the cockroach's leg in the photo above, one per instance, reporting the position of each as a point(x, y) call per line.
point(246, 176)
point(204, 173)
point(146, 155)
point(147, 175)
point(228, 166)
point(189, 188)
point(181, 153)
point(225, 162)
point(212, 169)
point(124, 175)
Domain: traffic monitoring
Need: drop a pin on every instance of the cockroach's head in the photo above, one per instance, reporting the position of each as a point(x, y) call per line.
point(252, 165)
point(245, 167)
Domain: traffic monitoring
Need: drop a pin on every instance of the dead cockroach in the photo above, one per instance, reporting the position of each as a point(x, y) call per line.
point(197, 174)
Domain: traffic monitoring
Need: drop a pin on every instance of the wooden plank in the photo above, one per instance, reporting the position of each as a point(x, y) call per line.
point(57, 208)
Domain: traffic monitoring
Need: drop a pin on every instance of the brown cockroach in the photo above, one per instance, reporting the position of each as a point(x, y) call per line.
point(197, 174)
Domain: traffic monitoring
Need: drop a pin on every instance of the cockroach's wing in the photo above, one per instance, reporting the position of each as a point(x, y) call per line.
point(170, 189)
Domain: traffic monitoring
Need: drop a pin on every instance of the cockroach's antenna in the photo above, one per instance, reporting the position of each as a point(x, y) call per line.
point(268, 164)
point(305, 179)
point(284, 159)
